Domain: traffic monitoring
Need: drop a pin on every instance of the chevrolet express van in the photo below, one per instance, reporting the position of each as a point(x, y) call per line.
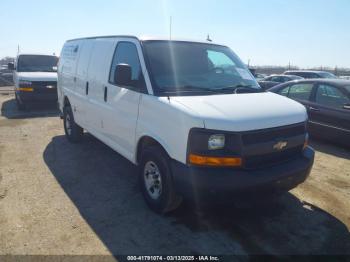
point(189, 114)
point(35, 79)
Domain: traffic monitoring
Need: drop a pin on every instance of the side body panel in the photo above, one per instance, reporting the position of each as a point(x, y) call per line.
point(98, 72)
point(66, 75)
point(168, 122)
point(81, 82)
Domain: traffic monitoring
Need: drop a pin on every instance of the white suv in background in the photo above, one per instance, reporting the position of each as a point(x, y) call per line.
point(189, 114)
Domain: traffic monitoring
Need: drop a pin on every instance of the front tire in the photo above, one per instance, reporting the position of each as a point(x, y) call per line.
point(156, 180)
point(73, 131)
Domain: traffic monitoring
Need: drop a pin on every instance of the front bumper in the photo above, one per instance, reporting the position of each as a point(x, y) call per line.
point(32, 97)
point(193, 181)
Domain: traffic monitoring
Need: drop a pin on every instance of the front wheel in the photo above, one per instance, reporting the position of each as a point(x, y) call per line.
point(156, 180)
point(73, 131)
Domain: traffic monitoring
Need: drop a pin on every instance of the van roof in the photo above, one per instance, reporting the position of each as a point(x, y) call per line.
point(36, 54)
point(145, 38)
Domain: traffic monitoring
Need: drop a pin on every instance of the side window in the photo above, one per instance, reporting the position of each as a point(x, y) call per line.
point(312, 75)
point(284, 91)
point(300, 91)
point(126, 53)
point(275, 79)
point(285, 79)
point(301, 74)
point(331, 96)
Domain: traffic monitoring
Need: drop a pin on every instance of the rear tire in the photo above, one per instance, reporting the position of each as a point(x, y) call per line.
point(20, 105)
point(156, 180)
point(73, 131)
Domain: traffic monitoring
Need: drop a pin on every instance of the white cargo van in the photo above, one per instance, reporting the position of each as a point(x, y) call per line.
point(35, 79)
point(189, 114)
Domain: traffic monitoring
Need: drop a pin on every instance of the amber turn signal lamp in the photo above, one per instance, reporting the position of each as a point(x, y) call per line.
point(26, 89)
point(215, 161)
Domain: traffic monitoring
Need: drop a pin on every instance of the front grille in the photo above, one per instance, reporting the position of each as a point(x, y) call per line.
point(42, 86)
point(271, 159)
point(44, 83)
point(259, 145)
point(265, 135)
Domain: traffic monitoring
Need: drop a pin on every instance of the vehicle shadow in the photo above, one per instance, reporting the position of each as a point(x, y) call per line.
point(330, 148)
point(10, 111)
point(103, 186)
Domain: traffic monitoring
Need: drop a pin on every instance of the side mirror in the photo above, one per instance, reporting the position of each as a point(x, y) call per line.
point(122, 75)
point(11, 66)
point(346, 106)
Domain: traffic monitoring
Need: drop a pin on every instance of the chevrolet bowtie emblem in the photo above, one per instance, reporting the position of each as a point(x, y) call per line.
point(280, 145)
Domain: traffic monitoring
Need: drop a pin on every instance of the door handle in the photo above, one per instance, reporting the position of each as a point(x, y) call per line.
point(105, 94)
point(314, 109)
point(87, 88)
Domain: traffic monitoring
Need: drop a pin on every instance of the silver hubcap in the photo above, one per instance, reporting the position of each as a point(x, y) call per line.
point(153, 181)
point(68, 125)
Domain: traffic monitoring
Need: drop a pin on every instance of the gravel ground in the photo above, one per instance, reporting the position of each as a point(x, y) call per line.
point(57, 198)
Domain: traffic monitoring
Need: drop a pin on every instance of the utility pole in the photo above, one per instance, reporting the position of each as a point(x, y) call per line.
point(248, 63)
point(17, 49)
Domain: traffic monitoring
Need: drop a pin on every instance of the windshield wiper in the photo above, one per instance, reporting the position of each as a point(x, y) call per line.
point(186, 88)
point(190, 88)
point(239, 88)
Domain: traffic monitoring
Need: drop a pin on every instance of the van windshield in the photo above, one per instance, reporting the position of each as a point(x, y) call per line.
point(187, 68)
point(37, 63)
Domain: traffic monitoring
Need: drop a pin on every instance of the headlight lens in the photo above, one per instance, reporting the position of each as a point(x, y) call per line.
point(216, 142)
point(25, 83)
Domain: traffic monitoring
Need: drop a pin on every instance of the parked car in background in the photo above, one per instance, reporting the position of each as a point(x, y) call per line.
point(6, 76)
point(35, 79)
point(273, 80)
point(259, 76)
point(328, 104)
point(345, 77)
point(189, 114)
point(310, 74)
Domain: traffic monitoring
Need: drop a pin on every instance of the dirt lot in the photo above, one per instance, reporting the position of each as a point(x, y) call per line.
point(58, 198)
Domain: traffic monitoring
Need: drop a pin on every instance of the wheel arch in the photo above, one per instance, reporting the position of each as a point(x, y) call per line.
point(145, 141)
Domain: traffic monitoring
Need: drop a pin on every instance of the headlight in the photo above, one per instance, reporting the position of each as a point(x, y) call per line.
point(210, 148)
point(216, 142)
point(25, 83)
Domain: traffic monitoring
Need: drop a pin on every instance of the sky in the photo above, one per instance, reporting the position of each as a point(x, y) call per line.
point(270, 32)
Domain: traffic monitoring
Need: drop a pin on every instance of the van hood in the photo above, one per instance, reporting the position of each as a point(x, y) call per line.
point(244, 112)
point(37, 76)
